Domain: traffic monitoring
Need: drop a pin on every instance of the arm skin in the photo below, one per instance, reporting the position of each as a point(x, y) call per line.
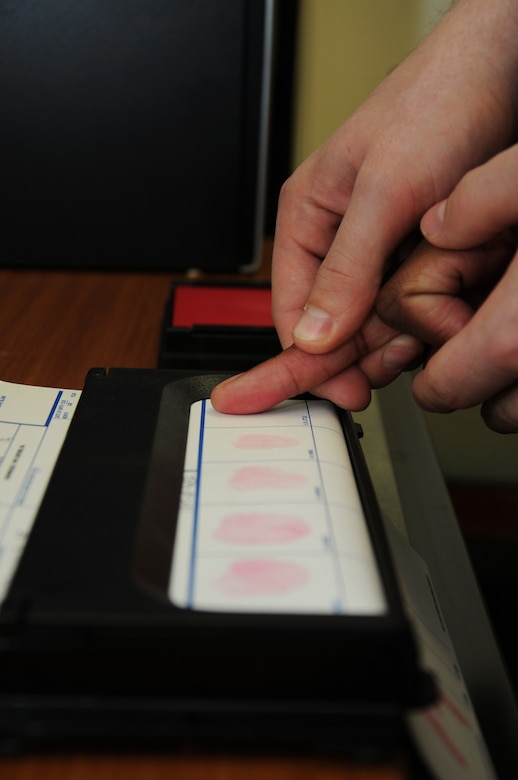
point(474, 250)
point(449, 107)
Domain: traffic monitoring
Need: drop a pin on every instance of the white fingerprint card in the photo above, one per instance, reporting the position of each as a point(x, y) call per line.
point(270, 517)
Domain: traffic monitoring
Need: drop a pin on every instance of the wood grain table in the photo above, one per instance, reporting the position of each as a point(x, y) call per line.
point(54, 326)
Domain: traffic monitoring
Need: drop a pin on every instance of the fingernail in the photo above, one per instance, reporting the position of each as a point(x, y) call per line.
point(228, 380)
point(432, 222)
point(401, 351)
point(314, 325)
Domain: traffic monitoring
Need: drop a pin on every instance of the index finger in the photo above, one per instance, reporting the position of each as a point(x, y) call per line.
point(294, 371)
point(288, 374)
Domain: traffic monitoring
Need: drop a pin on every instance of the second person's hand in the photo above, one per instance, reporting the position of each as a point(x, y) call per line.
point(345, 210)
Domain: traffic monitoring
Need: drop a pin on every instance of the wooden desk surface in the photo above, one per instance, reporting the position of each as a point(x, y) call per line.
point(54, 327)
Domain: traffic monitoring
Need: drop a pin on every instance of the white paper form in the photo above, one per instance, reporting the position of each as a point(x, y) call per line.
point(33, 424)
point(270, 517)
point(448, 733)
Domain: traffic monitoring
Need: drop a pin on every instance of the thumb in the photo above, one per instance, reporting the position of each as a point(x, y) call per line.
point(348, 279)
point(481, 207)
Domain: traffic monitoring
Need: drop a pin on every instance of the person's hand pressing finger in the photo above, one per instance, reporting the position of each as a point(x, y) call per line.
point(435, 292)
point(345, 375)
point(461, 295)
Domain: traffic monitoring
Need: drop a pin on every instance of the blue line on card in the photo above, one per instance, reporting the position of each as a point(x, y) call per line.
point(54, 407)
point(192, 569)
point(340, 601)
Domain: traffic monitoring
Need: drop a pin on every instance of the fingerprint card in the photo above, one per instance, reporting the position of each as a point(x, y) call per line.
point(270, 518)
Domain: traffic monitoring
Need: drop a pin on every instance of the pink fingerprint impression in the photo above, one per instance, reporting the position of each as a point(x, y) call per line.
point(265, 477)
point(261, 528)
point(264, 441)
point(262, 578)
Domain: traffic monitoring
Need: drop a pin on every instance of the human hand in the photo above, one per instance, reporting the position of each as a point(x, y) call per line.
point(374, 358)
point(461, 296)
point(344, 211)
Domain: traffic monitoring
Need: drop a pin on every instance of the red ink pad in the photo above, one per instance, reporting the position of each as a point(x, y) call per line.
point(221, 305)
point(218, 326)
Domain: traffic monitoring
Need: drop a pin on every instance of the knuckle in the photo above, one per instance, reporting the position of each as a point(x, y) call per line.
point(433, 391)
point(334, 275)
point(289, 373)
point(299, 371)
point(388, 303)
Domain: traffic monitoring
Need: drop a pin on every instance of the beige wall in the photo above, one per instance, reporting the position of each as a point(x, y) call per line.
point(346, 47)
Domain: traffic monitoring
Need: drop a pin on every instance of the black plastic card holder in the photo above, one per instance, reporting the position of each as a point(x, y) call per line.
point(93, 651)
